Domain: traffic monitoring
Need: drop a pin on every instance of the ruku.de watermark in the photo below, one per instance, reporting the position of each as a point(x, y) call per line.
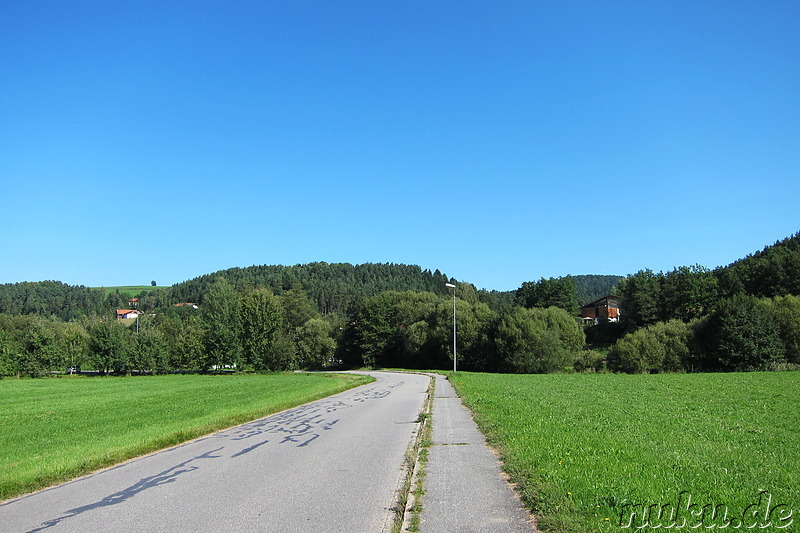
point(688, 514)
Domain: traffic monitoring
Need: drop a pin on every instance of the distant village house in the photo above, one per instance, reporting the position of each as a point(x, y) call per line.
point(604, 309)
point(127, 313)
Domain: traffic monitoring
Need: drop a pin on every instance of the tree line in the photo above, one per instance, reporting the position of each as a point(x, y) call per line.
point(268, 318)
point(233, 331)
point(257, 330)
point(333, 287)
point(52, 298)
point(744, 316)
point(415, 330)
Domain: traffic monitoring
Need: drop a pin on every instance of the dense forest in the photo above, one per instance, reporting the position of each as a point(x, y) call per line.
point(592, 287)
point(332, 286)
point(744, 316)
point(51, 298)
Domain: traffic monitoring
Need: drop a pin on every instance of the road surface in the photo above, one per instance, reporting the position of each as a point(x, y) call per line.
point(331, 465)
point(465, 491)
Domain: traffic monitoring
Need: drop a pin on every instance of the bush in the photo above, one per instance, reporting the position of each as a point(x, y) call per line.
point(604, 333)
point(536, 341)
point(8, 354)
point(590, 361)
point(660, 347)
point(785, 311)
point(744, 336)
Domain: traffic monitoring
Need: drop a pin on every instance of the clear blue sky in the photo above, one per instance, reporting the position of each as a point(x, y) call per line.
point(497, 141)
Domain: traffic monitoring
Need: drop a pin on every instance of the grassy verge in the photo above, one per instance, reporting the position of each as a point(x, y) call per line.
point(587, 449)
point(52, 430)
point(418, 488)
point(417, 461)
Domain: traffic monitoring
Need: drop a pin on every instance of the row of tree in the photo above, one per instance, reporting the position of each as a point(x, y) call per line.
point(332, 287)
point(552, 292)
point(257, 330)
point(741, 333)
point(307, 316)
point(565, 292)
point(686, 293)
point(744, 316)
point(52, 298)
point(233, 331)
point(415, 330)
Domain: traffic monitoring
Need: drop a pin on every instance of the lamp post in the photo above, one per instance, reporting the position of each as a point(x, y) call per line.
point(454, 323)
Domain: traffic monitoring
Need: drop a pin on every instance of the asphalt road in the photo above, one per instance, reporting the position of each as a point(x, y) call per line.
point(331, 465)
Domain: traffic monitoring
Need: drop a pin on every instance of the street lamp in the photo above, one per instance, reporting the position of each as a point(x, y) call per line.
point(454, 323)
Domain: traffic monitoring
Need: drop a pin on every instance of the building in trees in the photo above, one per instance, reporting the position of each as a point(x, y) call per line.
point(604, 309)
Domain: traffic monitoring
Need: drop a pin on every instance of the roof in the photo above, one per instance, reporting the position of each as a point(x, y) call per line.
point(590, 304)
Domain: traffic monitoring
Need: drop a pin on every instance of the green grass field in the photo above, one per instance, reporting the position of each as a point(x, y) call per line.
point(586, 448)
point(131, 290)
point(52, 430)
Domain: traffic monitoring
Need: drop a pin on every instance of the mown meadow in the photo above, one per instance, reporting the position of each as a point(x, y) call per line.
point(586, 450)
point(56, 429)
point(130, 290)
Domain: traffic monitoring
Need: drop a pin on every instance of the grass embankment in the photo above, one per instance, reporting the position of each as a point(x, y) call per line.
point(52, 430)
point(585, 448)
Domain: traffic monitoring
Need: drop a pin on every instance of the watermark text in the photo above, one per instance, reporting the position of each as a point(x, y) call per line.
point(686, 514)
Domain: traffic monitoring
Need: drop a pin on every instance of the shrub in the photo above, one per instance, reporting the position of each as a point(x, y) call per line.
point(660, 347)
point(744, 336)
point(589, 361)
point(604, 333)
point(536, 341)
point(8, 354)
point(785, 312)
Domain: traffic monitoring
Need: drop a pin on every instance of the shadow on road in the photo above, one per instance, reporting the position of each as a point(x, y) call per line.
point(302, 425)
point(299, 426)
point(162, 478)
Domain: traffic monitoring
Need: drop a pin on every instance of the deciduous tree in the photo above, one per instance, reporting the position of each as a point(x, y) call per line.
point(641, 299)
point(262, 325)
point(109, 346)
point(745, 336)
point(552, 292)
point(223, 326)
point(526, 345)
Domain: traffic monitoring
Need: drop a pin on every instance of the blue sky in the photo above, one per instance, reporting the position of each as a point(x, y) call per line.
point(500, 142)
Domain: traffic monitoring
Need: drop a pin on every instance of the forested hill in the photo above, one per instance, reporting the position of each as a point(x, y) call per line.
point(691, 292)
point(50, 298)
point(773, 271)
point(591, 287)
point(588, 287)
point(332, 286)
